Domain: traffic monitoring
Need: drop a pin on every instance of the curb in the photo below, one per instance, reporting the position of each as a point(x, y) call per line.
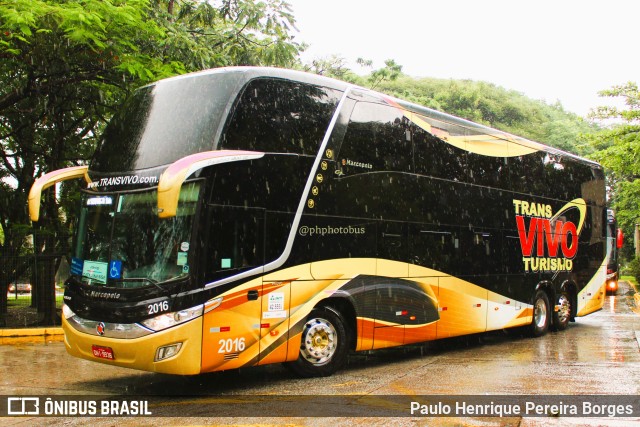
point(30, 332)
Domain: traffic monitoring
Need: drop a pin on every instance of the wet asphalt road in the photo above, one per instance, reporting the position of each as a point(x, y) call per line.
point(599, 354)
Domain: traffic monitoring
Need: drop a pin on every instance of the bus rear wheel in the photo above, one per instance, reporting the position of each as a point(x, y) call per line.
point(323, 348)
point(541, 314)
point(562, 317)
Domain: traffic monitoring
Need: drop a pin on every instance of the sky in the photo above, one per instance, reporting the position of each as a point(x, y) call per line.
point(553, 50)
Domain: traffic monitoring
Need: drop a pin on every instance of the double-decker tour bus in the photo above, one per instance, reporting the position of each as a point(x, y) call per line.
point(244, 216)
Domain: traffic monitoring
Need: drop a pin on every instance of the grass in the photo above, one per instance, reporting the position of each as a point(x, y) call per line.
point(24, 300)
point(631, 280)
point(20, 314)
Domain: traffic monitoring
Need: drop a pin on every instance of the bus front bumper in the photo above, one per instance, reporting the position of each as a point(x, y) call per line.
point(140, 353)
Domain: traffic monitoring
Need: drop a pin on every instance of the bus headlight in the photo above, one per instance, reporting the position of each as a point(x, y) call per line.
point(167, 320)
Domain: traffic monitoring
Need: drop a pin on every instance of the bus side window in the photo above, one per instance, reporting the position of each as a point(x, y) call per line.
point(485, 252)
point(434, 157)
point(377, 139)
point(434, 247)
point(526, 174)
point(487, 170)
point(279, 116)
point(235, 241)
point(554, 175)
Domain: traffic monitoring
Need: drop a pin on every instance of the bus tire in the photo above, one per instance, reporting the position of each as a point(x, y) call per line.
point(562, 317)
point(324, 344)
point(541, 314)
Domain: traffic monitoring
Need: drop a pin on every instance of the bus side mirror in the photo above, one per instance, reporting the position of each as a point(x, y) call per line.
point(619, 238)
point(49, 179)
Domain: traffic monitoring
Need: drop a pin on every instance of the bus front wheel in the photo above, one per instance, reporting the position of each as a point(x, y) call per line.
point(541, 314)
point(324, 346)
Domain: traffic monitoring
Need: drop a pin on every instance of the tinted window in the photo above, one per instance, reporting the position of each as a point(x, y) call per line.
point(487, 170)
point(526, 174)
point(335, 237)
point(434, 157)
point(581, 182)
point(377, 139)
point(437, 248)
point(236, 241)
point(280, 116)
point(481, 251)
point(164, 122)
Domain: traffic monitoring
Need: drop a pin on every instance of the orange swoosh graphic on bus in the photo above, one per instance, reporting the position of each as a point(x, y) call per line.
point(237, 298)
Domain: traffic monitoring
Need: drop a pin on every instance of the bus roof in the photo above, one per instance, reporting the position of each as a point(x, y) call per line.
point(489, 134)
point(250, 73)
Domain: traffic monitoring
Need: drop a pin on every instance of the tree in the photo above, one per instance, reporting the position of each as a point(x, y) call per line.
point(206, 34)
point(62, 68)
point(65, 65)
point(390, 72)
point(333, 66)
point(618, 149)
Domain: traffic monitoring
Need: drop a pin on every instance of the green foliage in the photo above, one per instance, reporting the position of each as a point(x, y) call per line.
point(336, 67)
point(333, 66)
point(62, 68)
point(390, 72)
point(65, 66)
point(220, 33)
point(481, 102)
point(617, 147)
point(633, 268)
point(631, 97)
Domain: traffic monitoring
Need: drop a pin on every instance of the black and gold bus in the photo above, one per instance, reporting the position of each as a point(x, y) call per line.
point(245, 216)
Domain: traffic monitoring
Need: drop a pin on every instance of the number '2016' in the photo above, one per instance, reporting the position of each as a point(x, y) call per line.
point(231, 345)
point(158, 307)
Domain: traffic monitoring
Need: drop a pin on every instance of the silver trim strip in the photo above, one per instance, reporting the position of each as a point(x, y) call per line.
point(296, 221)
point(110, 330)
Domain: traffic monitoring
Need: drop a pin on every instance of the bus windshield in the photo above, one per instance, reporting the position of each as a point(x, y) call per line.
point(180, 115)
point(122, 242)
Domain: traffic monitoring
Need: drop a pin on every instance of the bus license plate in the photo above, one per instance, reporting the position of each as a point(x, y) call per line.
point(103, 352)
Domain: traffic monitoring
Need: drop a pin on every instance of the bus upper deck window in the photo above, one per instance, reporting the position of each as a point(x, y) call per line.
point(280, 116)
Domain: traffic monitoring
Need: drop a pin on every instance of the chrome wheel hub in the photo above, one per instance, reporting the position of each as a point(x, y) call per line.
point(319, 341)
point(564, 309)
point(540, 314)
